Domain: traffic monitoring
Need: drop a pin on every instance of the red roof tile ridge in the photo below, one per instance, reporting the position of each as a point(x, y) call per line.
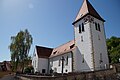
point(63, 48)
point(51, 56)
point(64, 44)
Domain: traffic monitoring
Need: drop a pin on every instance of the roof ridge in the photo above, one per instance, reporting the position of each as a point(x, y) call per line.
point(43, 47)
point(63, 44)
point(87, 9)
point(90, 6)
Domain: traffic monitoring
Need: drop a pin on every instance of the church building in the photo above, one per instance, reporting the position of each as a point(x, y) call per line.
point(87, 52)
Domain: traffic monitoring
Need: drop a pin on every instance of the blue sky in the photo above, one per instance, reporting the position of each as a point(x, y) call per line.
point(50, 21)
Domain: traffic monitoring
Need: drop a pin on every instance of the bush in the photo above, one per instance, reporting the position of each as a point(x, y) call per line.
point(28, 70)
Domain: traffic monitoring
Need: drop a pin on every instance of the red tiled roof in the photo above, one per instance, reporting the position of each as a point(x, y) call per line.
point(67, 47)
point(86, 9)
point(43, 52)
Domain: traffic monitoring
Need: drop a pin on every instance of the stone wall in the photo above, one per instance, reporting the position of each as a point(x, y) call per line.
point(109, 74)
point(117, 67)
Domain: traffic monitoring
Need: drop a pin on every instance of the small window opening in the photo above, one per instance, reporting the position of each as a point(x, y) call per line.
point(83, 27)
point(43, 70)
point(82, 58)
point(72, 46)
point(101, 58)
point(79, 28)
point(96, 26)
point(67, 60)
point(99, 27)
point(66, 70)
point(98, 37)
point(54, 52)
point(81, 38)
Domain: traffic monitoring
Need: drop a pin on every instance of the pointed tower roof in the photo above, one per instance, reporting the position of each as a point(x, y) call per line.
point(86, 9)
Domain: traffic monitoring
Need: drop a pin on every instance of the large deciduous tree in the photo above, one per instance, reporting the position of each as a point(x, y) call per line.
point(19, 48)
point(113, 45)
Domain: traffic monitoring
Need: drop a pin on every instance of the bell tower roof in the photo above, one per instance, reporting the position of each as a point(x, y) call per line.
point(86, 9)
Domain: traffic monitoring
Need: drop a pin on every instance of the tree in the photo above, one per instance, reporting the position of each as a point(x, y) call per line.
point(113, 45)
point(19, 48)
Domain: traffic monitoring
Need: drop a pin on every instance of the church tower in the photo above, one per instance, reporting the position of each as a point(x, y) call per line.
point(91, 50)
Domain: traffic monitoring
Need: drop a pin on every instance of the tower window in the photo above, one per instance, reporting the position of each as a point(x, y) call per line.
point(96, 26)
point(83, 27)
point(79, 28)
point(98, 37)
point(82, 58)
point(101, 58)
point(81, 38)
point(99, 27)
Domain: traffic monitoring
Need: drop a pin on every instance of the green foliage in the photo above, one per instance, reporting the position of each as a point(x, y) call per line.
point(19, 48)
point(29, 69)
point(113, 45)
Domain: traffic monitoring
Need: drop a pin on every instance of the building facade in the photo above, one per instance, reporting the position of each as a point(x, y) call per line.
point(87, 52)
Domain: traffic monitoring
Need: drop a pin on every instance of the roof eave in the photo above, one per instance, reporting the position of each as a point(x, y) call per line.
point(85, 16)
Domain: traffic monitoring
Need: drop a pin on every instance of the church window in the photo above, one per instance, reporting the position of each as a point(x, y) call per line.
point(67, 60)
point(79, 28)
point(99, 27)
point(83, 27)
point(43, 70)
point(101, 58)
point(82, 58)
point(59, 62)
point(81, 38)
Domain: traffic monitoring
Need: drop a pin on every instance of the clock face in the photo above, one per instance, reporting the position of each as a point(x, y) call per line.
point(88, 19)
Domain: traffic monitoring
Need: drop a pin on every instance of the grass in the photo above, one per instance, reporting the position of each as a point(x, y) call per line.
point(3, 73)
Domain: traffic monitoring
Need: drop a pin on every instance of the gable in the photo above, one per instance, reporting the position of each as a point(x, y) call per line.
point(43, 52)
